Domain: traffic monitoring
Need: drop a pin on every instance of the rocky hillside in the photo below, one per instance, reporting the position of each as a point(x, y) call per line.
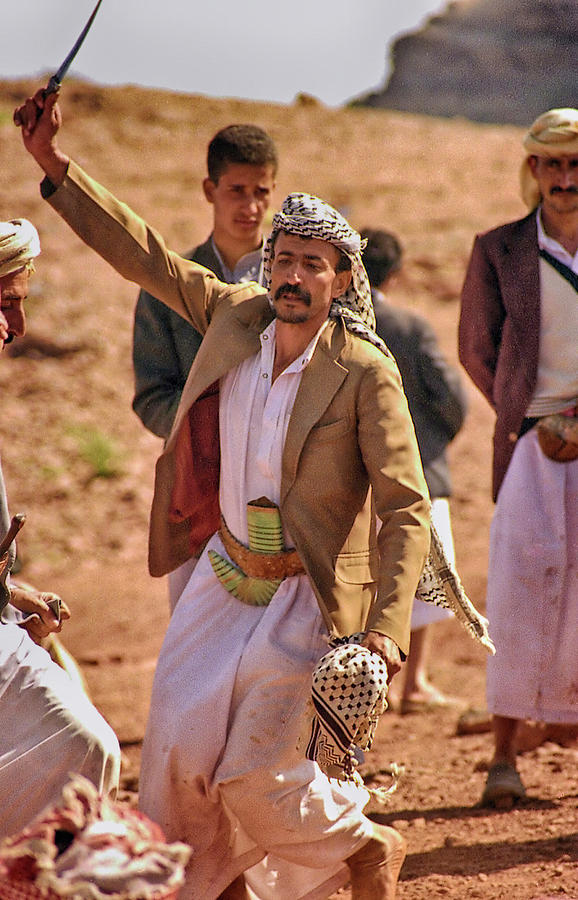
point(487, 60)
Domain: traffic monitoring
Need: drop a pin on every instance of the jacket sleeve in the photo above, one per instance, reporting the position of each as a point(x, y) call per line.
point(442, 383)
point(164, 347)
point(134, 249)
point(481, 319)
point(391, 457)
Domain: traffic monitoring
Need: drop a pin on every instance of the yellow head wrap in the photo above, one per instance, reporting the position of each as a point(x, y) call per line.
point(19, 245)
point(554, 133)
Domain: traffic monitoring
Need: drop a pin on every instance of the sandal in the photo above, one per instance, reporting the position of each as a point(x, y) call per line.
point(503, 787)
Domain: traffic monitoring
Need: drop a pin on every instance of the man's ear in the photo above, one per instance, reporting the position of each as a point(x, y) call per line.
point(533, 164)
point(209, 188)
point(341, 282)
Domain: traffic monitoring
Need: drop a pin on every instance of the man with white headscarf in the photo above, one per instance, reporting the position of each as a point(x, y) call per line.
point(518, 340)
point(292, 433)
point(48, 727)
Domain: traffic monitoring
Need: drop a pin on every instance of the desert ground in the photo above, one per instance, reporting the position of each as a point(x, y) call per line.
point(80, 464)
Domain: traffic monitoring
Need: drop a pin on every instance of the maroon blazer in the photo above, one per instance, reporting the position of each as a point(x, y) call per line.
point(499, 328)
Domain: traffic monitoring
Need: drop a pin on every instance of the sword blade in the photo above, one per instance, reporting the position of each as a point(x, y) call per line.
point(56, 80)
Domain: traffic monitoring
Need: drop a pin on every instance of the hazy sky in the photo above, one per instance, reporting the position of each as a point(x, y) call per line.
point(260, 49)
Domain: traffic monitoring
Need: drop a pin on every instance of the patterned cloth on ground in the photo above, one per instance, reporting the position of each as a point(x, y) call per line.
point(89, 848)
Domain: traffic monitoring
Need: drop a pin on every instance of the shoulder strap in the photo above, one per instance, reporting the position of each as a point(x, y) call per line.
point(562, 269)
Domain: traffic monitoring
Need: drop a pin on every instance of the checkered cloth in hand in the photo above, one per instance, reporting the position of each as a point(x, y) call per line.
point(349, 693)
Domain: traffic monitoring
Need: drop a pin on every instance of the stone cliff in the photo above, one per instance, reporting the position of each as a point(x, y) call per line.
point(502, 61)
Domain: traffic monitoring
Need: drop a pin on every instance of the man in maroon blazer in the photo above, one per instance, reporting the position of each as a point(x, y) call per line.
point(518, 340)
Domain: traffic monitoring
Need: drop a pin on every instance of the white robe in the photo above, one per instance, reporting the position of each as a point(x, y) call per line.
point(224, 765)
point(532, 597)
point(48, 730)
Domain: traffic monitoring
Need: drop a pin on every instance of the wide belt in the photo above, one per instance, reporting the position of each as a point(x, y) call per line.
point(258, 564)
point(256, 571)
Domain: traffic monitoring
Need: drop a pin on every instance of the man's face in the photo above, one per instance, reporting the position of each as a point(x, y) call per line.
point(304, 280)
point(557, 178)
point(240, 199)
point(13, 293)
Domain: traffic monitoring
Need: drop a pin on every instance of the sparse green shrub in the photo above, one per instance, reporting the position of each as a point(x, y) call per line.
point(98, 450)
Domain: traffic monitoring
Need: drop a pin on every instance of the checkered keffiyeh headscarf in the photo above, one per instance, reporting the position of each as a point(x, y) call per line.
point(310, 217)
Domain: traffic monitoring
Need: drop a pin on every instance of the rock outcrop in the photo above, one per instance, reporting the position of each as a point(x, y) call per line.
point(503, 61)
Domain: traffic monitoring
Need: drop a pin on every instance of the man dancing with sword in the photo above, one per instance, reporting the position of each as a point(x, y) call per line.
point(292, 433)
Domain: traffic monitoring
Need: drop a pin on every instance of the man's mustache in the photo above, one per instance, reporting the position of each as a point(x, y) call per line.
point(294, 289)
point(569, 190)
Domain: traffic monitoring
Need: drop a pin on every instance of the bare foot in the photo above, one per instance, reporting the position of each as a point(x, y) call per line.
point(425, 698)
point(375, 868)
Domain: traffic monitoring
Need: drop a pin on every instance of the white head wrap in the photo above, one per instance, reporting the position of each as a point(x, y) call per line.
point(309, 217)
point(19, 245)
point(554, 133)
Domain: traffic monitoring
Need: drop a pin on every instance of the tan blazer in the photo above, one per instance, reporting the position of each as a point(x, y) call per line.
point(350, 450)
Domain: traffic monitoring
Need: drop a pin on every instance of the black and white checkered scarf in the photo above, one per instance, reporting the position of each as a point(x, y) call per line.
point(310, 217)
point(348, 694)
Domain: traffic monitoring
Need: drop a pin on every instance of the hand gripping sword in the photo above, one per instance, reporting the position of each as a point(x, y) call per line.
point(55, 81)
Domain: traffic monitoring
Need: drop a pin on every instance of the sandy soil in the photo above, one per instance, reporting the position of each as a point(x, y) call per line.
point(80, 464)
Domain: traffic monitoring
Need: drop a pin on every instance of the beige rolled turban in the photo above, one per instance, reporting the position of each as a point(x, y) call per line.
point(19, 245)
point(554, 133)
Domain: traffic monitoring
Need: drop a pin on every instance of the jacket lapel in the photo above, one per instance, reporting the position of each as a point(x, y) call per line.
point(521, 289)
point(228, 342)
point(521, 271)
point(320, 382)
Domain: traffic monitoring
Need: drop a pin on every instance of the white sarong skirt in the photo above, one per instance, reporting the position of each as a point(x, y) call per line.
point(224, 765)
point(49, 731)
point(532, 598)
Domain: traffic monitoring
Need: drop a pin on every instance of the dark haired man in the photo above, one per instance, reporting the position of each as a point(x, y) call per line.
point(241, 166)
point(292, 435)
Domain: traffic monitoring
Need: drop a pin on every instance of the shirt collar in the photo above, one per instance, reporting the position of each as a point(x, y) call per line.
point(268, 346)
point(545, 242)
point(248, 268)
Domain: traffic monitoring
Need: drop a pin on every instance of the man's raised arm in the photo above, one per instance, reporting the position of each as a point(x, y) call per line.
point(40, 119)
point(111, 228)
